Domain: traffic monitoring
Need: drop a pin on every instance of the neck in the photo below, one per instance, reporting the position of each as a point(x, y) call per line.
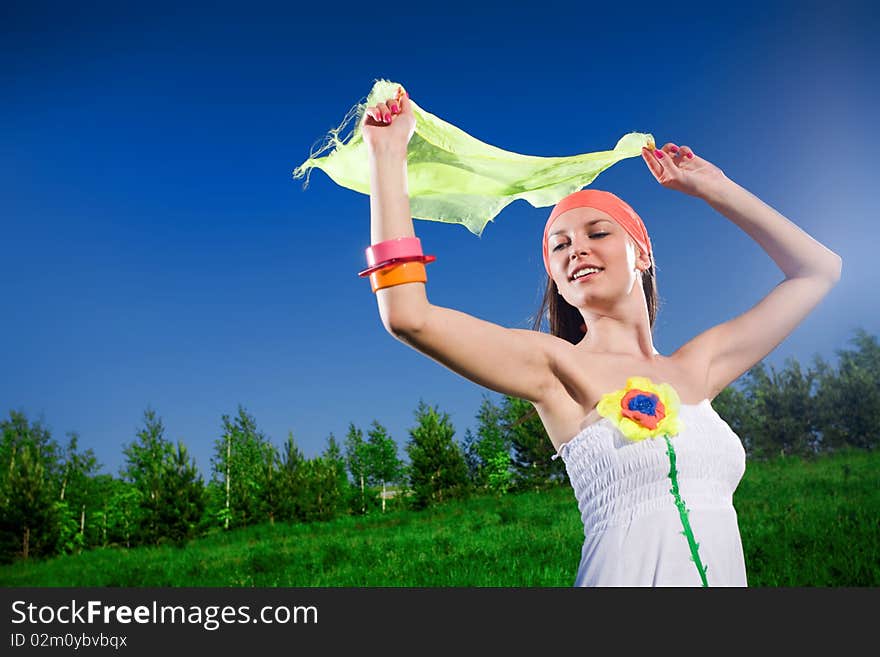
point(619, 336)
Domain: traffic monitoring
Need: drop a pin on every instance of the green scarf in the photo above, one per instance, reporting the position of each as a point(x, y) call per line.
point(455, 178)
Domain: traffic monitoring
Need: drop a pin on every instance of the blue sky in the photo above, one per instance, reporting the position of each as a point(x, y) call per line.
point(157, 252)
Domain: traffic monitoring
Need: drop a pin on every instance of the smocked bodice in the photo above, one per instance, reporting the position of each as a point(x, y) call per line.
point(632, 527)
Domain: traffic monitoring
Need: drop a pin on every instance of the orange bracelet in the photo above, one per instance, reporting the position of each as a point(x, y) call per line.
point(404, 272)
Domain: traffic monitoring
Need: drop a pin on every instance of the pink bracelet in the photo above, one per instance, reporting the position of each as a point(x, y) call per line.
point(425, 259)
point(400, 247)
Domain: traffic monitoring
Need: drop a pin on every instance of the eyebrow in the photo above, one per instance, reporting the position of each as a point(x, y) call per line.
point(589, 223)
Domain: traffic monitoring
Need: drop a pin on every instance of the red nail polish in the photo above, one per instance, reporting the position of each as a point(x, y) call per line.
point(690, 156)
point(658, 153)
point(674, 149)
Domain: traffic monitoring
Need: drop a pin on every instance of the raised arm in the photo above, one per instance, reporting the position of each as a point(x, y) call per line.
point(515, 362)
point(811, 269)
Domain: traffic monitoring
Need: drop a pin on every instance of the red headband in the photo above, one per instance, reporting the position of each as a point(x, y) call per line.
point(610, 205)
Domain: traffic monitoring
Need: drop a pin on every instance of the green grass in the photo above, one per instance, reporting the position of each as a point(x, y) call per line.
point(812, 522)
point(803, 523)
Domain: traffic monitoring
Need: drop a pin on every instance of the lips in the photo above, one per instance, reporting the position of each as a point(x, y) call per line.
point(587, 277)
point(581, 266)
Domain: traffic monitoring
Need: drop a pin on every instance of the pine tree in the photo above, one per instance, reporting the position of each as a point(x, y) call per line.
point(533, 465)
point(492, 448)
point(269, 485)
point(183, 492)
point(292, 481)
point(437, 468)
point(336, 460)
point(323, 499)
point(147, 461)
point(472, 459)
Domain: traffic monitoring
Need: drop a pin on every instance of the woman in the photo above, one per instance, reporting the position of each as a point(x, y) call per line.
point(652, 464)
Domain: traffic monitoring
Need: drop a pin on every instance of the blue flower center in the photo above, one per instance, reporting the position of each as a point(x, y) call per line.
point(646, 404)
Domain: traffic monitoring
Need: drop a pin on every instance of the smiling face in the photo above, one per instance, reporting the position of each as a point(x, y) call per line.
point(587, 237)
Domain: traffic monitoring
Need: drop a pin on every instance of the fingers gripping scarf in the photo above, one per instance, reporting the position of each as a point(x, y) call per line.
point(455, 178)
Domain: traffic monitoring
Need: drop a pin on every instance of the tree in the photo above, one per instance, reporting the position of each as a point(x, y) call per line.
point(30, 519)
point(356, 457)
point(314, 489)
point(147, 461)
point(383, 463)
point(78, 470)
point(336, 460)
point(848, 400)
point(733, 405)
point(116, 503)
point(324, 499)
point(269, 484)
point(183, 494)
point(490, 450)
point(533, 465)
point(121, 512)
point(238, 481)
point(471, 457)
point(437, 468)
point(292, 480)
point(783, 417)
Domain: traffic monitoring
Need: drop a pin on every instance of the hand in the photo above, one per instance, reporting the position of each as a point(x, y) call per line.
point(390, 124)
point(681, 170)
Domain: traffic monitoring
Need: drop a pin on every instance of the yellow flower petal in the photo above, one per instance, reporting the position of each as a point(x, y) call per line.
point(669, 397)
point(640, 382)
point(610, 406)
point(634, 431)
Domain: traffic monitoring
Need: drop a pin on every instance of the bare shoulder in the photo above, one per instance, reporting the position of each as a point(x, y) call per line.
point(550, 345)
point(553, 348)
point(540, 339)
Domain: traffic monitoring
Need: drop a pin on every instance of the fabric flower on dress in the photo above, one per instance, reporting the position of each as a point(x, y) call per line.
point(642, 409)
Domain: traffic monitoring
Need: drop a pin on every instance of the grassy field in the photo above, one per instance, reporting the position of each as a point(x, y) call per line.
point(803, 523)
point(812, 523)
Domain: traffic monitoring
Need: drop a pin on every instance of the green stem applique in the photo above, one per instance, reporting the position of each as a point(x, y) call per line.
point(683, 512)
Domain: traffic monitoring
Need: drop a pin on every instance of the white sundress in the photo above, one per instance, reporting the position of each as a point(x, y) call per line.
point(634, 532)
